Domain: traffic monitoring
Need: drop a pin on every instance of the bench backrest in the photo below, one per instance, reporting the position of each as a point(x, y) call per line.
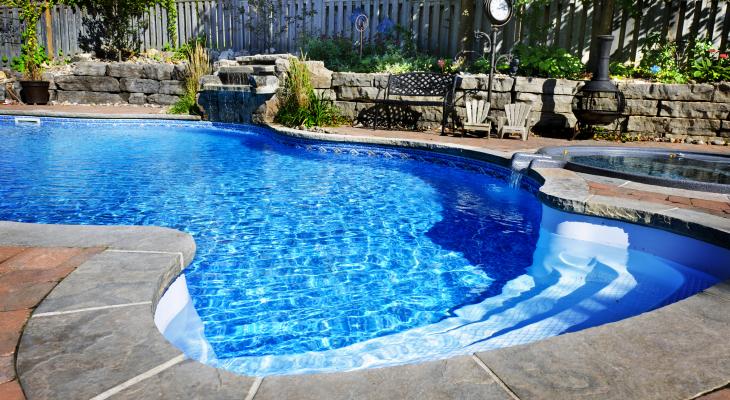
point(422, 84)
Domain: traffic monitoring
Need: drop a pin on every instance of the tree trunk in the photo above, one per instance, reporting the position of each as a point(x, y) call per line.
point(466, 29)
point(602, 25)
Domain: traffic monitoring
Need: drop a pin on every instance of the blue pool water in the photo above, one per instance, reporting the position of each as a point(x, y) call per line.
point(319, 258)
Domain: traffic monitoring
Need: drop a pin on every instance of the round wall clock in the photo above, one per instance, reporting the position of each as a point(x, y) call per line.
point(498, 11)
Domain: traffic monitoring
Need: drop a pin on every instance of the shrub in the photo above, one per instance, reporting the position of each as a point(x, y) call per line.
point(30, 64)
point(298, 104)
point(708, 64)
point(198, 64)
point(113, 26)
point(661, 61)
point(548, 62)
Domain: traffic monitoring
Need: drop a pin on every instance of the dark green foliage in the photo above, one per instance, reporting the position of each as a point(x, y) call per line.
point(111, 31)
point(548, 62)
point(26, 59)
point(393, 51)
point(662, 60)
point(186, 105)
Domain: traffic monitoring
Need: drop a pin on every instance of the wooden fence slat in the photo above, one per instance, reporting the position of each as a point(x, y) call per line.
point(229, 24)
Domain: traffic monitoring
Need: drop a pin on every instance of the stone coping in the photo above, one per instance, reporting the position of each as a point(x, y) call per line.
point(94, 336)
point(92, 115)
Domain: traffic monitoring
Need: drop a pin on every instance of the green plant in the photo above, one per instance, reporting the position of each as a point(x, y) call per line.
point(114, 26)
point(662, 61)
point(181, 53)
point(483, 66)
point(298, 104)
point(387, 54)
point(198, 65)
point(548, 62)
point(27, 61)
point(708, 64)
point(29, 12)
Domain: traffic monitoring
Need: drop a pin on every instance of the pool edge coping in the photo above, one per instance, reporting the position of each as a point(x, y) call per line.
point(134, 239)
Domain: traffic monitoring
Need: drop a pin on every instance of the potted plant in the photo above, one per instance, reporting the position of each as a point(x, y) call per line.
point(32, 57)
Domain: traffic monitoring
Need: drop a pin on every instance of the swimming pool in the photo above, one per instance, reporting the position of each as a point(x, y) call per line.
point(319, 257)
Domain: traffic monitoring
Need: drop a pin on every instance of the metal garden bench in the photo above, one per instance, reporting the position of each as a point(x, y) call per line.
point(421, 85)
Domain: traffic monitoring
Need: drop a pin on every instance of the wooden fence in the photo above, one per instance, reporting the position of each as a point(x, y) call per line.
point(434, 24)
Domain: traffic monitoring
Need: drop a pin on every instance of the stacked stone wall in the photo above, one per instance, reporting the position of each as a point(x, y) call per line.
point(682, 111)
point(117, 83)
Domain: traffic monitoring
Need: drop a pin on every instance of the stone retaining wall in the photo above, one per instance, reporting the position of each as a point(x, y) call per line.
point(693, 111)
point(117, 82)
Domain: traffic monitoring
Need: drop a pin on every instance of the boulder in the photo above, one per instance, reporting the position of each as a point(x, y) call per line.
point(139, 85)
point(89, 68)
point(676, 126)
point(663, 91)
point(547, 103)
point(210, 80)
point(82, 57)
point(162, 99)
point(352, 79)
point(87, 83)
point(125, 70)
point(358, 93)
point(320, 76)
point(179, 71)
point(158, 71)
point(86, 97)
point(685, 109)
point(648, 108)
point(172, 87)
point(137, 98)
point(328, 94)
point(546, 86)
point(721, 93)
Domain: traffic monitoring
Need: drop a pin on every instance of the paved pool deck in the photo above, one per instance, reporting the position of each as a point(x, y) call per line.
point(91, 334)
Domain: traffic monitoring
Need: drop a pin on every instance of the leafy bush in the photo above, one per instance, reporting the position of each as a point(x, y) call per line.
point(27, 61)
point(548, 62)
point(113, 26)
point(661, 61)
point(393, 50)
point(298, 104)
point(708, 64)
point(483, 66)
point(665, 62)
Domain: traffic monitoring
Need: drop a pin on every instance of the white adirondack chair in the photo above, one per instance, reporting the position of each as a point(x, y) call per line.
point(517, 120)
point(477, 116)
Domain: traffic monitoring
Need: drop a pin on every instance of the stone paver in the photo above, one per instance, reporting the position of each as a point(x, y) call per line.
point(89, 285)
point(718, 208)
point(83, 354)
point(455, 378)
point(26, 277)
point(11, 391)
point(722, 394)
point(188, 380)
point(675, 352)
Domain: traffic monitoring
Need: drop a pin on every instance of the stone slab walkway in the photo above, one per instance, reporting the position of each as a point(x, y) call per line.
point(27, 275)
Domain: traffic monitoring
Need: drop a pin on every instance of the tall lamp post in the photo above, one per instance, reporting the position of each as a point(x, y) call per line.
point(499, 13)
